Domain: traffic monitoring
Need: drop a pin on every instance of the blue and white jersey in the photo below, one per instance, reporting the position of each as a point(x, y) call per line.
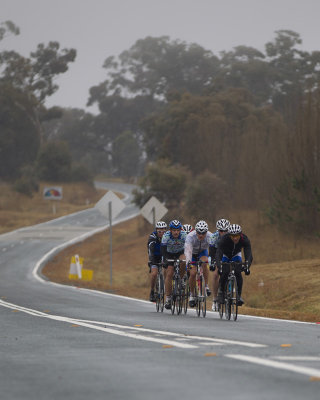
point(174, 245)
point(215, 237)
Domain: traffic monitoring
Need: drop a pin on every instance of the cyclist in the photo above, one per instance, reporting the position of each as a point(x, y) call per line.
point(196, 248)
point(229, 249)
point(187, 228)
point(222, 226)
point(172, 246)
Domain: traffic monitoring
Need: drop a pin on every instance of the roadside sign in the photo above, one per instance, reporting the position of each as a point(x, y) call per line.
point(110, 206)
point(116, 203)
point(52, 193)
point(153, 210)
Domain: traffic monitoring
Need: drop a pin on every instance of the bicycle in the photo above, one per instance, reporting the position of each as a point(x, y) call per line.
point(200, 289)
point(177, 295)
point(231, 296)
point(159, 288)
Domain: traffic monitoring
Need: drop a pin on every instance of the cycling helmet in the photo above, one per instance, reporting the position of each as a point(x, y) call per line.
point(222, 224)
point(161, 225)
point(175, 224)
point(201, 227)
point(187, 228)
point(234, 229)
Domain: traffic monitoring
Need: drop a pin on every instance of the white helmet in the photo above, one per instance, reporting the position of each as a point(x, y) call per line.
point(161, 225)
point(234, 229)
point(222, 224)
point(187, 228)
point(201, 227)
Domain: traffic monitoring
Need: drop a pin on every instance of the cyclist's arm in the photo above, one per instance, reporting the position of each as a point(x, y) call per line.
point(247, 250)
point(188, 251)
point(212, 252)
point(151, 249)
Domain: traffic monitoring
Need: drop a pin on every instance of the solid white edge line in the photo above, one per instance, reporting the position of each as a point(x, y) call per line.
point(276, 364)
point(74, 321)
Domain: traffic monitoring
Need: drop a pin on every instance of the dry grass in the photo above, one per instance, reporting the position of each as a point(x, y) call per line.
point(17, 210)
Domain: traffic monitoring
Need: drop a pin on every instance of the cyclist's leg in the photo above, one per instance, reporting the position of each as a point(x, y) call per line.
point(238, 258)
point(204, 257)
point(192, 281)
point(168, 282)
point(215, 283)
point(182, 267)
point(154, 274)
point(222, 281)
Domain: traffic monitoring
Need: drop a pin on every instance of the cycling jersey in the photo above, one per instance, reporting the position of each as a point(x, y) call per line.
point(171, 245)
point(193, 246)
point(154, 248)
point(229, 249)
point(215, 238)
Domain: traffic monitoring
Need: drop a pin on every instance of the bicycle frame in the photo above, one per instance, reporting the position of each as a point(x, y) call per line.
point(200, 295)
point(231, 295)
point(159, 288)
point(177, 289)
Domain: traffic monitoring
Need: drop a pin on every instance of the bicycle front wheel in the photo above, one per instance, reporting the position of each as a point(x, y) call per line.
point(161, 293)
point(235, 299)
point(157, 293)
point(198, 295)
point(221, 309)
point(173, 296)
point(203, 298)
point(186, 295)
point(228, 297)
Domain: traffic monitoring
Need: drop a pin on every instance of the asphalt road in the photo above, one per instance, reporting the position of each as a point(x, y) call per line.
point(60, 342)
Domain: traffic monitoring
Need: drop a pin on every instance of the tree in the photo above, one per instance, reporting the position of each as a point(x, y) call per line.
point(165, 181)
point(126, 154)
point(19, 134)
point(155, 66)
point(54, 162)
point(205, 195)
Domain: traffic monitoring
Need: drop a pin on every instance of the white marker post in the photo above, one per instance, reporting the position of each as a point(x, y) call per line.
point(110, 206)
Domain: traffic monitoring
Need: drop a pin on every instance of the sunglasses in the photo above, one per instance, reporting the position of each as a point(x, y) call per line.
point(235, 236)
point(222, 231)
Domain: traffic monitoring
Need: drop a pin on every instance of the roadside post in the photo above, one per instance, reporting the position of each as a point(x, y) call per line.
point(53, 193)
point(153, 210)
point(110, 205)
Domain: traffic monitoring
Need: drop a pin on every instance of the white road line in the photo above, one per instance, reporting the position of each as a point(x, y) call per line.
point(182, 335)
point(98, 328)
point(276, 364)
point(109, 328)
point(297, 358)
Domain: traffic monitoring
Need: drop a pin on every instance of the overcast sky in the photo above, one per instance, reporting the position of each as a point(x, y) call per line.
point(98, 29)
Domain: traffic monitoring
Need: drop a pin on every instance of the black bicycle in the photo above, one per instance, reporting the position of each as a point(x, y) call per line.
point(177, 295)
point(230, 303)
point(159, 288)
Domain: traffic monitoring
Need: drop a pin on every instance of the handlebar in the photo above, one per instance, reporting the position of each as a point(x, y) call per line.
point(234, 266)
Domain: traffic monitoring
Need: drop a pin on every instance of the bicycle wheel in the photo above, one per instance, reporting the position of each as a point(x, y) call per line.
point(228, 298)
point(173, 295)
point(186, 295)
point(221, 309)
point(161, 293)
point(198, 294)
point(203, 298)
point(157, 293)
point(235, 299)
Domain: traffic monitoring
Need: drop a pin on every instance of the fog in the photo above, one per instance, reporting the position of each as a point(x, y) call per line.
point(98, 29)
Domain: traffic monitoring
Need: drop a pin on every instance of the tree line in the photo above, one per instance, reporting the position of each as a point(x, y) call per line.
point(197, 128)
